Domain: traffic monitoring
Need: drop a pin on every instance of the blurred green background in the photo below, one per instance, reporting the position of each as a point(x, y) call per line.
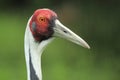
point(96, 21)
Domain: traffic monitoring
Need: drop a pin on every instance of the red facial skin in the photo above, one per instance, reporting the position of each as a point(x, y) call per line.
point(42, 19)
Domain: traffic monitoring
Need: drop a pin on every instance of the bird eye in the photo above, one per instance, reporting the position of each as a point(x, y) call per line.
point(42, 19)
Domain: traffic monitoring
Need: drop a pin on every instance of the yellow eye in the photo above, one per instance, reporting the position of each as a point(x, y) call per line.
point(42, 19)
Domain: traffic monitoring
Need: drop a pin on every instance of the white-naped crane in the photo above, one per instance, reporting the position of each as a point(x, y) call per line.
point(41, 29)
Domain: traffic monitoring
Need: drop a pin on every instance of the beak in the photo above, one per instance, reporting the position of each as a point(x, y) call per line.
point(64, 32)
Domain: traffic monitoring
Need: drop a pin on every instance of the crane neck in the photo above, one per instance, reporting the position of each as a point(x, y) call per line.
point(33, 52)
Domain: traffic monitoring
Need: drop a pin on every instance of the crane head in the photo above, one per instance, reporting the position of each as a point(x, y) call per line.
point(44, 24)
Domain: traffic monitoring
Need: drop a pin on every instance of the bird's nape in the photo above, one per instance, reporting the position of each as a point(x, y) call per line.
point(42, 27)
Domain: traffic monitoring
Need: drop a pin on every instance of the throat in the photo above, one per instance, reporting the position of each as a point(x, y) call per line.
point(40, 38)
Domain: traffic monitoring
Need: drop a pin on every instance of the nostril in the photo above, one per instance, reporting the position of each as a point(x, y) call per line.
point(65, 31)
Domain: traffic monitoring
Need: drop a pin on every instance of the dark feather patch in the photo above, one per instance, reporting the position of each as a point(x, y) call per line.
point(33, 26)
point(33, 75)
